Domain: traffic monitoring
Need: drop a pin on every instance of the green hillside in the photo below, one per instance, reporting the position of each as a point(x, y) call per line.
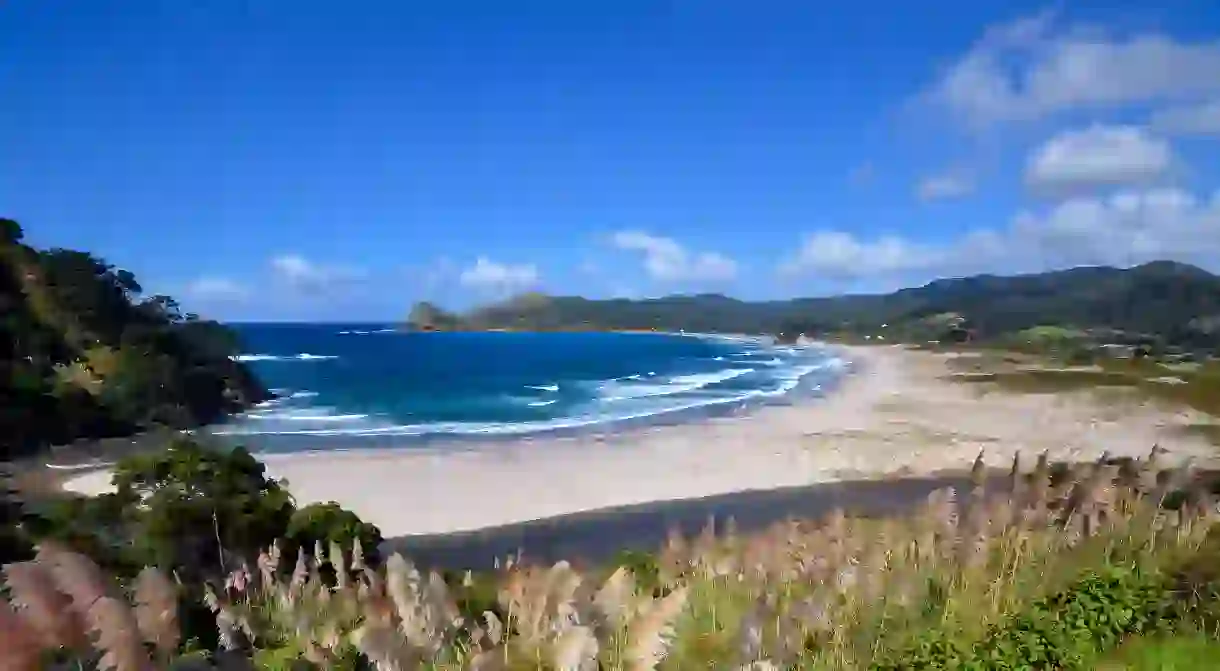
point(1174, 302)
point(86, 355)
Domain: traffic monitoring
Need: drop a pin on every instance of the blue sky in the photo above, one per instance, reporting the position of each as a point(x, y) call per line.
point(264, 159)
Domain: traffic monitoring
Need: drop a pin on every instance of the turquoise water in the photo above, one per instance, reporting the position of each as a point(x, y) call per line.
point(345, 385)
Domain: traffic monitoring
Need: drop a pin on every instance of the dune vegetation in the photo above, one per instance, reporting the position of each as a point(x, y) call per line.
point(1193, 385)
point(1064, 567)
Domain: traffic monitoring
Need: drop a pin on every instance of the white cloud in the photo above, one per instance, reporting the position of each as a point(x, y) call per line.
point(943, 187)
point(1098, 156)
point(840, 254)
point(1126, 228)
point(666, 260)
point(216, 289)
point(488, 275)
point(300, 273)
point(1032, 67)
point(294, 268)
point(1200, 119)
point(1123, 229)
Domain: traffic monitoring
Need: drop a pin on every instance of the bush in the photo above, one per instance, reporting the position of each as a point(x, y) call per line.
point(328, 523)
point(199, 510)
point(475, 594)
point(644, 568)
point(1196, 583)
point(1062, 631)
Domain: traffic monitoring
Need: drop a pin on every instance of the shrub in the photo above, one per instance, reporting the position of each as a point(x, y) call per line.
point(1196, 584)
point(1062, 631)
point(321, 524)
point(643, 566)
point(199, 511)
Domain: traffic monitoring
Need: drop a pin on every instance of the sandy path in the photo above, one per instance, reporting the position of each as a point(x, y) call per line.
point(897, 415)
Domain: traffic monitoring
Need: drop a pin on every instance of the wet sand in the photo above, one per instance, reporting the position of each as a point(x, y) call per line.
point(597, 536)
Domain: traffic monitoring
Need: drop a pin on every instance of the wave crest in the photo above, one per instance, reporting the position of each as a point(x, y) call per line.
point(757, 373)
point(304, 356)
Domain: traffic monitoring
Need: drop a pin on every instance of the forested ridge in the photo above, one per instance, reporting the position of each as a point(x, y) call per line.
point(87, 355)
point(1173, 302)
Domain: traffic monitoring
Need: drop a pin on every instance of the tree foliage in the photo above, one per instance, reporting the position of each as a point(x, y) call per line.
point(197, 511)
point(84, 354)
point(328, 523)
point(191, 509)
point(189, 505)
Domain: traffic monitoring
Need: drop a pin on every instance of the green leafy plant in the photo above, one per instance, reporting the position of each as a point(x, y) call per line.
point(1048, 572)
point(1063, 631)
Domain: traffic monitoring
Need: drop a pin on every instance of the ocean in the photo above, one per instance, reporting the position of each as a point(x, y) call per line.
point(360, 385)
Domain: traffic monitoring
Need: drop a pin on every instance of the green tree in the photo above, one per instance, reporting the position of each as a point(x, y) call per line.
point(84, 355)
point(199, 513)
point(199, 510)
point(326, 523)
point(10, 231)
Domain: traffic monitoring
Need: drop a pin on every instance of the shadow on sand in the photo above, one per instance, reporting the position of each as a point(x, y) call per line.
point(595, 536)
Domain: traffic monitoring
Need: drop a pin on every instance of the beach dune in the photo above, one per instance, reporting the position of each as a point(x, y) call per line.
point(896, 414)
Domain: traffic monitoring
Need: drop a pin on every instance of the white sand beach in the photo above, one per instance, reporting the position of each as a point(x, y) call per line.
point(896, 415)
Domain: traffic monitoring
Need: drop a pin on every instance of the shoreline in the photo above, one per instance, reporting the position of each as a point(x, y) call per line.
point(812, 383)
point(892, 413)
point(52, 471)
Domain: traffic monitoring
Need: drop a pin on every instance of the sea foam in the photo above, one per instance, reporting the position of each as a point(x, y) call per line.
point(732, 371)
point(304, 356)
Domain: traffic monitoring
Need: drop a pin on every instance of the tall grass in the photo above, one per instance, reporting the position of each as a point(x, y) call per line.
point(837, 593)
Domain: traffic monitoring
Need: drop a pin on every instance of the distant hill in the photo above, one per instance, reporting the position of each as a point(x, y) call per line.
point(425, 316)
point(83, 354)
point(1175, 302)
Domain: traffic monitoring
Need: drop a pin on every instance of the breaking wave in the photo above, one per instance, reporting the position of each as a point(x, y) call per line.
point(249, 358)
point(512, 384)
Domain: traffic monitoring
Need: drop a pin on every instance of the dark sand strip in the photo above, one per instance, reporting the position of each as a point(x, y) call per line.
point(596, 536)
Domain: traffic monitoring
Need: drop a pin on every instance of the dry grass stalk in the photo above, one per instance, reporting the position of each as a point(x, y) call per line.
point(157, 611)
point(20, 644)
point(109, 617)
point(831, 594)
point(651, 632)
point(47, 610)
